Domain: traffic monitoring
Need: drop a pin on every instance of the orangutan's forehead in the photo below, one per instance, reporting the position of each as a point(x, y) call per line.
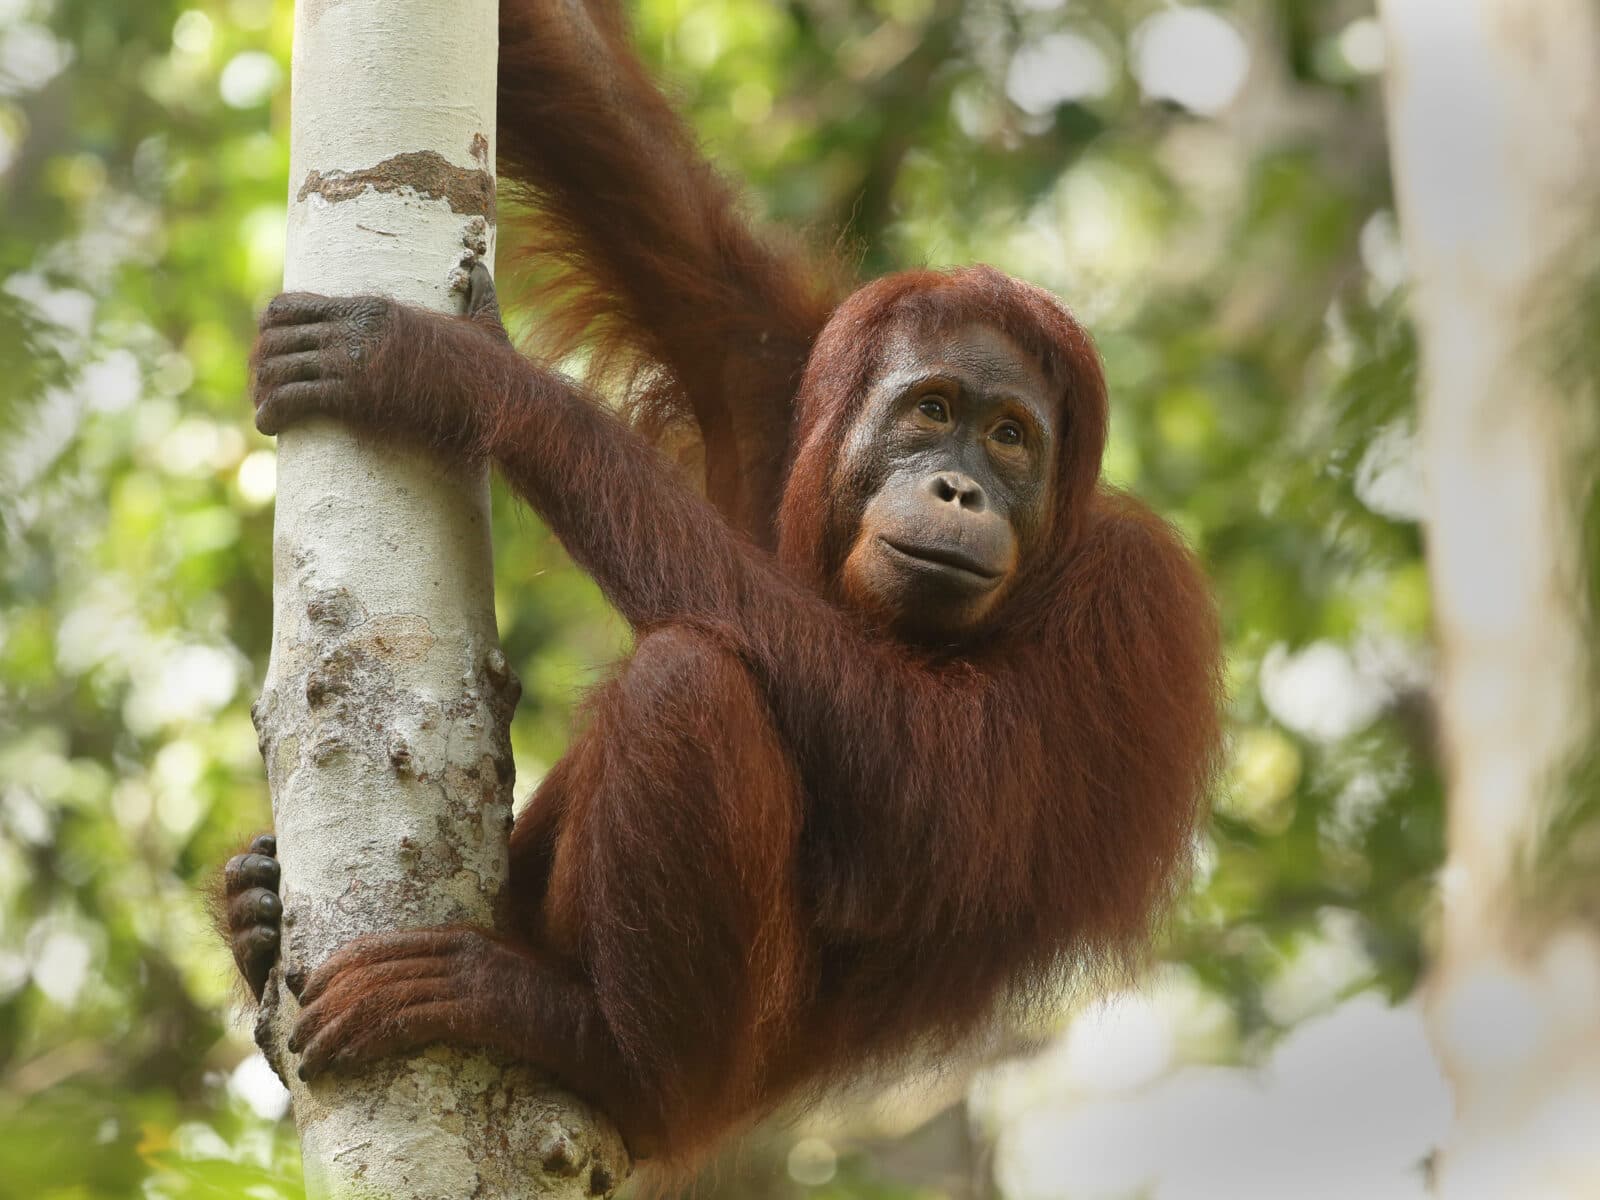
point(974, 349)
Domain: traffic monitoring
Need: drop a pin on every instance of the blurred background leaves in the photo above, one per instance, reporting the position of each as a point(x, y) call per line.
point(1207, 186)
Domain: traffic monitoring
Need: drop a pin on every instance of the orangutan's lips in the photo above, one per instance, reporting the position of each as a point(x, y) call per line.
point(944, 557)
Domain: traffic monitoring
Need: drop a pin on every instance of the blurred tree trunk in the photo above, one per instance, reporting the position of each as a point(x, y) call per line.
point(384, 721)
point(1494, 110)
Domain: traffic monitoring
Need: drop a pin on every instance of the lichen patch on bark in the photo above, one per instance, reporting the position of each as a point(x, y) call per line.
point(315, 10)
point(425, 173)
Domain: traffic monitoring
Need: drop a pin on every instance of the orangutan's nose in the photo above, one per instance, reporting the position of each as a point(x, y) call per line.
point(952, 487)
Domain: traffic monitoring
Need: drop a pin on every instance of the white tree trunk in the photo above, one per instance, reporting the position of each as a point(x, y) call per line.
point(387, 703)
point(1494, 110)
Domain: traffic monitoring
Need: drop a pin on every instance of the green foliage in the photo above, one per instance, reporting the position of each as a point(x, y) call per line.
point(1237, 270)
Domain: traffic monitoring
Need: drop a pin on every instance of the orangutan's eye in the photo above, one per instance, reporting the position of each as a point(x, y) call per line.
point(1008, 433)
point(934, 409)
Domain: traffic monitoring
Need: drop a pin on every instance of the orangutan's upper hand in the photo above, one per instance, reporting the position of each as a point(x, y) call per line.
point(374, 362)
point(313, 355)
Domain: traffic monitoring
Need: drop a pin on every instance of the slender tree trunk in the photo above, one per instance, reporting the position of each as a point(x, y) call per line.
point(385, 714)
point(1495, 129)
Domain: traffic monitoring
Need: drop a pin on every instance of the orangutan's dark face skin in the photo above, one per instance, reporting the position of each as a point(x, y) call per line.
point(954, 449)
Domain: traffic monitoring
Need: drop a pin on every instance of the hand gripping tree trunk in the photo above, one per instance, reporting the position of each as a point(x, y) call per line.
point(385, 714)
point(1494, 110)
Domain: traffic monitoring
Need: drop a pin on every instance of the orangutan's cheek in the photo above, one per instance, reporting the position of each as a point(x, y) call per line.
point(866, 585)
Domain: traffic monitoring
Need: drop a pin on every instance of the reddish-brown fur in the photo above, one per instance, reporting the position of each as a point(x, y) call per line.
point(785, 847)
point(641, 252)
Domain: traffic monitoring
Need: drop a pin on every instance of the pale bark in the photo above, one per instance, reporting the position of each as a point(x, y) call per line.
point(385, 714)
point(1494, 110)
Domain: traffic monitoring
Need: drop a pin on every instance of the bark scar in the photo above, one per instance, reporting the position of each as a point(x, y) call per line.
point(426, 173)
